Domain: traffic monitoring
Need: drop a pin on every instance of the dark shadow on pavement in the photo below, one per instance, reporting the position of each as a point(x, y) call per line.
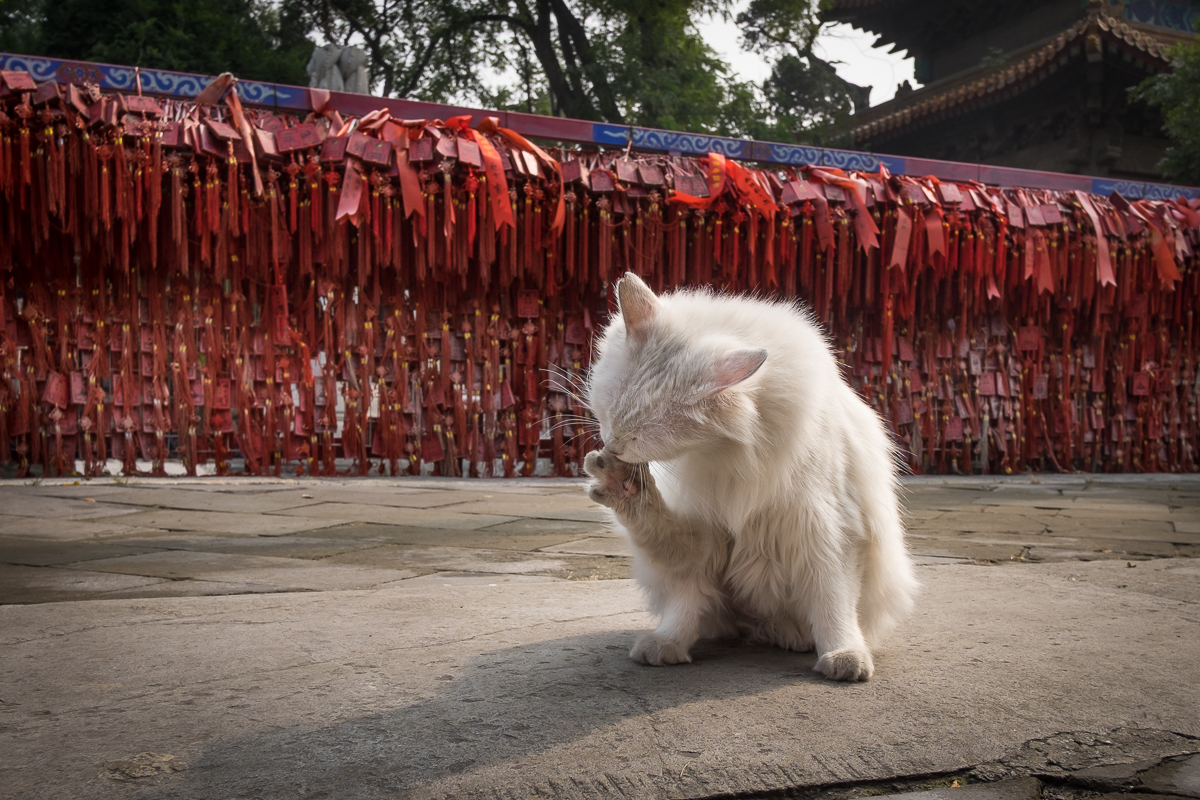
point(505, 705)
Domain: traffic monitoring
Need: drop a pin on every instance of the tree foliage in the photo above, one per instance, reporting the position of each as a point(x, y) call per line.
point(1177, 93)
point(639, 62)
point(250, 38)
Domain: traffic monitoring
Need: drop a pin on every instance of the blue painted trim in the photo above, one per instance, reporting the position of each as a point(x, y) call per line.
point(181, 85)
point(897, 165)
point(695, 143)
point(610, 134)
point(1137, 190)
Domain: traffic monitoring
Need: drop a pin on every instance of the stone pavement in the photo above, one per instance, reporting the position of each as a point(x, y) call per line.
point(440, 638)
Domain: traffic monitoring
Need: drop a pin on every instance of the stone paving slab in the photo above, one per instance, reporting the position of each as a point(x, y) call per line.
point(44, 554)
point(592, 546)
point(558, 506)
point(292, 573)
point(24, 584)
point(292, 546)
point(1017, 789)
point(520, 690)
point(387, 515)
point(191, 500)
point(64, 530)
point(453, 559)
point(47, 507)
point(415, 496)
point(246, 524)
point(1178, 777)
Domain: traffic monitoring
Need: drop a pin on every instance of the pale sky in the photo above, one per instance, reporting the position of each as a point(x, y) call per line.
point(847, 48)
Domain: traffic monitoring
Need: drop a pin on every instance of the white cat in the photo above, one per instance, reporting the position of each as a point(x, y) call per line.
point(757, 489)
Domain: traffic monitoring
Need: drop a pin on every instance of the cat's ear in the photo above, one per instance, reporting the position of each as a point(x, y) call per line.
point(638, 303)
point(736, 366)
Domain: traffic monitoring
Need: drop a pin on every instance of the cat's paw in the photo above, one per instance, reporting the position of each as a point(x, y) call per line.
point(659, 651)
point(847, 664)
point(616, 481)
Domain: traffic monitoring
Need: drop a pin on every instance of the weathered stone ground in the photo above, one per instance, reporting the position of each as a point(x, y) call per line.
point(439, 638)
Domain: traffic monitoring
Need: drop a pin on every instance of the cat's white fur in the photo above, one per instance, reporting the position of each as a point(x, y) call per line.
point(757, 490)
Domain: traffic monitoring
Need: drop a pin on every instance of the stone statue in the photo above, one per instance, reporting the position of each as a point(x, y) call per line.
point(339, 69)
point(353, 65)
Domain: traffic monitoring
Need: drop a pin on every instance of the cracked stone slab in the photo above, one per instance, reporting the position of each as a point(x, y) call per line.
point(505, 536)
point(46, 507)
point(176, 498)
point(1091, 758)
point(458, 579)
point(247, 524)
point(20, 584)
point(238, 568)
point(592, 547)
point(44, 554)
point(556, 507)
point(1014, 789)
point(448, 518)
point(451, 559)
point(1176, 777)
point(423, 690)
point(65, 530)
point(398, 496)
point(291, 546)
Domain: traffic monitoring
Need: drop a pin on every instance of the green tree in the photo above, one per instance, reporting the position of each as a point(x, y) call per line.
point(639, 62)
point(1177, 93)
point(21, 26)
point(805, 98)
point(250, 38)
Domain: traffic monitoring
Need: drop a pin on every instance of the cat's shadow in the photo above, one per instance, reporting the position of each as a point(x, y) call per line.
point(503, 705)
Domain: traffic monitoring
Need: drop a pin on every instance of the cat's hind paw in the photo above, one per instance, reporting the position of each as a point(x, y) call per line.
point(615, 480)
point(659, 651)
point(847, 664)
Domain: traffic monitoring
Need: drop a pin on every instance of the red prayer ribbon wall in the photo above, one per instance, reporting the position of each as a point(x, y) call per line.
point(205, 281)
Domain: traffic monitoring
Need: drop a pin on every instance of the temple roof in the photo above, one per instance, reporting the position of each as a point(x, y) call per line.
point(1002, 82)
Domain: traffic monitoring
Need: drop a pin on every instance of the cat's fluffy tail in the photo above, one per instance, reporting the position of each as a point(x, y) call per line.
point(888, 583)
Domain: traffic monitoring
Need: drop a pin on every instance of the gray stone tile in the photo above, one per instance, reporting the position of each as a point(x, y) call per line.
point(1109, 510)
point(396, 495)
point(216, 500)
point(454, 559)
point(558, 507)
point(265, 570)
point(225, 522)
point(1143, 531)
point(45, 554)
point(196, 588)
point(1016, 789)
point(73, 491)
point(934, 561)
point(47, 507)
point(592, 547)
point(49, 529)
point(382, 515)
point(23, 585)
point(453, 579)
point(986, 523)
point(306, 547)
point(575, 529)
point(499, 537)
point(1177, 777)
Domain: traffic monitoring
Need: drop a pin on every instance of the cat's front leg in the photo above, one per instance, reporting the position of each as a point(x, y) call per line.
point(666, 549)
